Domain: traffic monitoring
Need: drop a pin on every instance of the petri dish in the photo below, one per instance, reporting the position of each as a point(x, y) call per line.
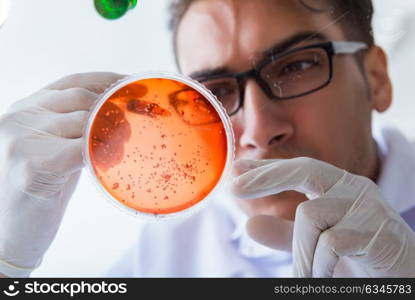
point(158, 145)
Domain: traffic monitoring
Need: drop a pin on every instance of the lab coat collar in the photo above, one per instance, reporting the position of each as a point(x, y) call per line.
point(397, 176)
point(396, 181)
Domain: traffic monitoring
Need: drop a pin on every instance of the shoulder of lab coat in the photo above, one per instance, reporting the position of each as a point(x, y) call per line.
point(397, 177)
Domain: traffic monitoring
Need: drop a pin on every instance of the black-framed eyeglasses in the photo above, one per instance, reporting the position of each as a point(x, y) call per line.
point(295, 73)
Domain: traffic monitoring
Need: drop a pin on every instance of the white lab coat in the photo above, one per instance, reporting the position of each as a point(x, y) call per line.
point(213, 242)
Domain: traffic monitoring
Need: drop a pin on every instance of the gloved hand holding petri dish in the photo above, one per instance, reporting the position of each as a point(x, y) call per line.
point(158, 145)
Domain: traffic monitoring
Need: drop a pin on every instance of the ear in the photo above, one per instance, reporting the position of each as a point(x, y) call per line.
point(376, 65)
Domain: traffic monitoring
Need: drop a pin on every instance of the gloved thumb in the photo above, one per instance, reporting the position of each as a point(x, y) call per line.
point(273, 232)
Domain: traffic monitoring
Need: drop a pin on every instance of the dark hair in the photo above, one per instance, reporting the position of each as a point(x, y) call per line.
point(356, 16)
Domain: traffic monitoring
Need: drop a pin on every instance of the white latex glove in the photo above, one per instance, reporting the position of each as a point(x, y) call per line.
point(41, 160)
point(348, 217)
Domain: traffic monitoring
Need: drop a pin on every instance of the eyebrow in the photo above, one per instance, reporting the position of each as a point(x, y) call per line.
point(277, 48)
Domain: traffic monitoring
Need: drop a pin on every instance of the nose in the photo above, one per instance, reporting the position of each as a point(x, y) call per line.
point(264, 122)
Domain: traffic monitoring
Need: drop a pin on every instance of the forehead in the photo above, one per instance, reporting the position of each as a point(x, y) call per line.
point(233, 34)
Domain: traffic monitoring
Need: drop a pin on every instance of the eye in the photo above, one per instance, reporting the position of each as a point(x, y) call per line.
point(298, 66)
point(224, 90)
point(221, 91)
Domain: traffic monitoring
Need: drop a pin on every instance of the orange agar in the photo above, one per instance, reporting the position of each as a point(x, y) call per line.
point(158, 146)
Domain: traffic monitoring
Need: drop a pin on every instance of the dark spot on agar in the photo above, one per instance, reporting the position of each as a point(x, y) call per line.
point(166, 177)
point(149, 109)
point(108, 134)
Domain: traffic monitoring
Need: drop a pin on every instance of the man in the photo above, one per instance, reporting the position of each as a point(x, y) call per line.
point(299, 80)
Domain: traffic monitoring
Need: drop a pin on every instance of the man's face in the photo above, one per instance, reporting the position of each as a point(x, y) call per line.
point(332, 124)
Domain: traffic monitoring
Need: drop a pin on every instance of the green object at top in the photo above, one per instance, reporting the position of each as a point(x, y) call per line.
point(114, 9)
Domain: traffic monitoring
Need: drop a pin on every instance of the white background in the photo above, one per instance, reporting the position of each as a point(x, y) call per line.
point(44, 40)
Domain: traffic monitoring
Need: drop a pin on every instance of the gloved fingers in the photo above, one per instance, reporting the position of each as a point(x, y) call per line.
point(67, 125)
point(43, 172)
point(95, 82)
point(65, 101)
point(38, 121)
point(312, 218)
point(49, 154)
point(383, 247)
point(241, 166)
point(325, 256)
point(303, 174)
point(353, 240)
point(69, 159)
point(271, 231)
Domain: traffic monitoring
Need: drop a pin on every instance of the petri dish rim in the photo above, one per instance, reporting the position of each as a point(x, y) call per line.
point(155, 75)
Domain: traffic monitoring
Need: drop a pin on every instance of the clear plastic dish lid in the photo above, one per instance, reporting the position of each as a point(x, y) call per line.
point(158, 145)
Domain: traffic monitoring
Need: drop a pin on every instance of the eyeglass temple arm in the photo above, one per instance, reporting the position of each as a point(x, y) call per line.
point(348, 47)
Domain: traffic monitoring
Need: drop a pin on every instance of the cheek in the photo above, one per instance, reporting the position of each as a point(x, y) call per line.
point(335, 120)
point(309, 117)
point(318, 115)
